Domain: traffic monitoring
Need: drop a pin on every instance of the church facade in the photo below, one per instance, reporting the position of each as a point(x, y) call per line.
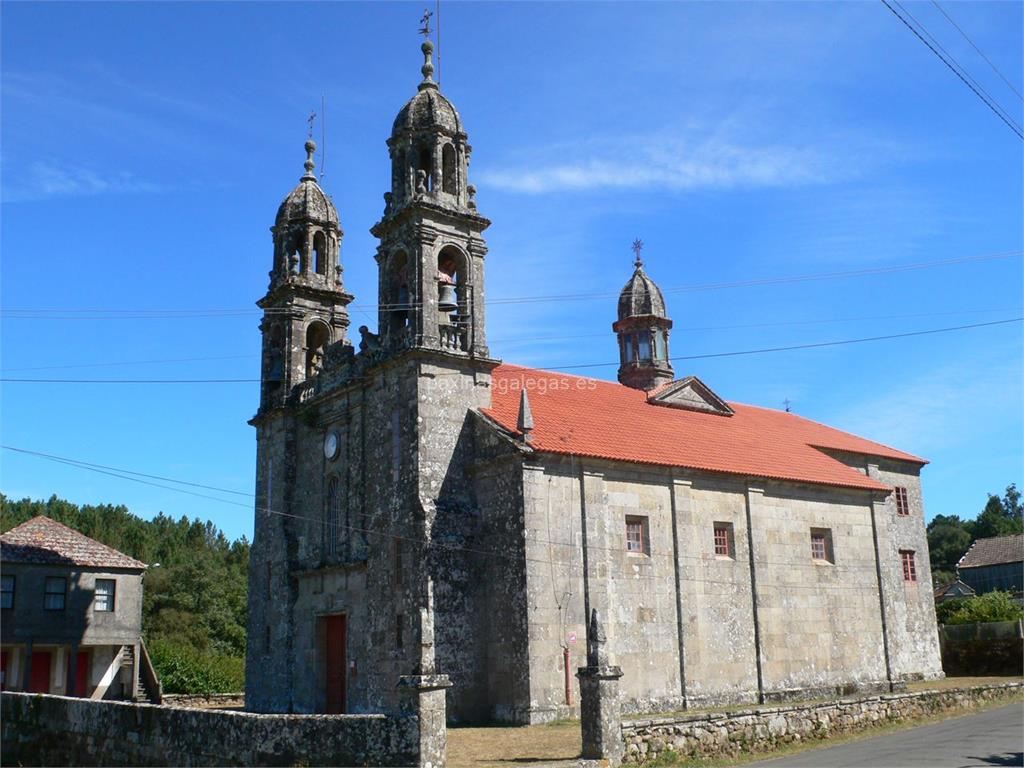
point(423, 508)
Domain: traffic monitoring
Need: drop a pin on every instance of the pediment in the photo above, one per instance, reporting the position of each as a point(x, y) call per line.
point(691, 394)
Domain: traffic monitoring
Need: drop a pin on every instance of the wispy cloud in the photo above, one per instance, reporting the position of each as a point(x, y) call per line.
point(679, 163)
point(45, 180)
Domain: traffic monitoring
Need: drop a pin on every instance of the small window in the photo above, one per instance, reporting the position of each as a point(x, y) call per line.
point(399, 630)
point(6, 591)
point(645, 347)
point(821, 545)
point(636, 536)
point(55, 592)
point(104, 597)
point(660, 352)
point(909, 565)
point(902, 504)
point(724, 546)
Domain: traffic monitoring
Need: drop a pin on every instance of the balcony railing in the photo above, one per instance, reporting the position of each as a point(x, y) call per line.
point(453, 338)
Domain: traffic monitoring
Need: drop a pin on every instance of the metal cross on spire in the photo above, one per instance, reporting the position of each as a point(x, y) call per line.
point(638, 246)
point(425, 30)
point(310, 120)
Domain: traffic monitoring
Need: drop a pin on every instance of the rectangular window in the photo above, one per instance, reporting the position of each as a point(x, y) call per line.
point(636, 536)
point(909, 565)
point(6, 591)
point(724, 546)
point(399, 630)
point(645, 347)
point(821, 545)
point(902, 505)
point(104, 597)
point(55, 591)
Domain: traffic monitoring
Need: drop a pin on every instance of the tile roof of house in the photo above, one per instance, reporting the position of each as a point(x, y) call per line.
point(602, 419)
point(956, 588)
point(994, 551)
point(43, 541)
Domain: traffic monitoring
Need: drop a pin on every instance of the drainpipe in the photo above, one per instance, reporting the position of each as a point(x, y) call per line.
point(568, 677)
point(753, 593)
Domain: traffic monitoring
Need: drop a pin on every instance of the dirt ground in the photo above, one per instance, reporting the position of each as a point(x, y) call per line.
point(492, 747)
point(503, 747)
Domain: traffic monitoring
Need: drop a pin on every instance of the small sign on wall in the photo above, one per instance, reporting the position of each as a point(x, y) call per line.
point(572, 638)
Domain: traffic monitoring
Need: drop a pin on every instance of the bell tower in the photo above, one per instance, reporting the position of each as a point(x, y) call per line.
point(305, 308)
point(431, 253)
point(643, 330)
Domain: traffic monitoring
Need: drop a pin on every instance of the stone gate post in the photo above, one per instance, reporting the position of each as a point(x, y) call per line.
point(422, 700)
point(600, 707)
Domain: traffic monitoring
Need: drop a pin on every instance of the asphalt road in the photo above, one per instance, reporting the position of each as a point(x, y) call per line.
point(991, 738)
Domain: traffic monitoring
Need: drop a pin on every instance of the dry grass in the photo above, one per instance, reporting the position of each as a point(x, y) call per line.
point(960, 682)
point(493, 747)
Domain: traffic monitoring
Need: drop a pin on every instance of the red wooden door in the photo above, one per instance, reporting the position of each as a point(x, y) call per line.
point(82, 674)
point(335, 647)
point(39, 680)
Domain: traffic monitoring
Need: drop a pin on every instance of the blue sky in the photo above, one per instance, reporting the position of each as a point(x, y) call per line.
point(146, 146)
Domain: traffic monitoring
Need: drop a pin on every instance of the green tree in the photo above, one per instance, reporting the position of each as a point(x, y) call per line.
point(1001, 516)
point(992, 606)
point(948, 539)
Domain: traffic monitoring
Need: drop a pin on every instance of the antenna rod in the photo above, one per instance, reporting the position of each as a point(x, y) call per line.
point(323, 134)
point(438, 14)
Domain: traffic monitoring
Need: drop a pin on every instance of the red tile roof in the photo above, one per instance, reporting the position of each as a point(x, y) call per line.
point(602, 419)
point(994, 551)
point(43, 541)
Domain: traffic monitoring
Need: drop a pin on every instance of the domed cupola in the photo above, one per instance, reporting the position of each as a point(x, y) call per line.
point(429, 149)
point(308, 202)
point(643, 329)
point(307, 233)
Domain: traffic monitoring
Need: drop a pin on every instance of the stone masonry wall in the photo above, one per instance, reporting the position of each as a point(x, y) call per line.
point(54, 730)
point(767, 728)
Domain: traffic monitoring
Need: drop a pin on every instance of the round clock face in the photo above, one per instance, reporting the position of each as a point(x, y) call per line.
point(331, 446)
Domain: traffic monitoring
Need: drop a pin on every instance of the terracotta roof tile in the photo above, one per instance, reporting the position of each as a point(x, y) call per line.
point(994, 551)
point(602, 419)
point(44, 541)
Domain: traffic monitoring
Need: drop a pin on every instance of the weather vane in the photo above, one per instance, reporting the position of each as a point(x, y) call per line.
point(312, 117)
point(425, 21)
point(638, 245)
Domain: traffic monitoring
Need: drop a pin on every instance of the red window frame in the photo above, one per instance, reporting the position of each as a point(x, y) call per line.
point(635, 543)
point(902, 503)
point(723, 543)
point(909, 564)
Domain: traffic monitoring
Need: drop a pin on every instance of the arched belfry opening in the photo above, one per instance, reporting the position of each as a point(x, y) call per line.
point(425, 170)
point(450, 182)
point(452, 294)
point(398, 297)
point(318, 336)
point(320, 253)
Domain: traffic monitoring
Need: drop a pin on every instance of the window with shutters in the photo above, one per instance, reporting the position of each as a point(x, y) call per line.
point(909, 565)
point(724, 546)
point(902, 503)
point(821, 545)
point(103, 598)
point(636, 536)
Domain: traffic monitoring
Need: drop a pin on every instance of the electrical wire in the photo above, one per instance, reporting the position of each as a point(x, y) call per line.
point(55, 313)
point(710, 355)
point(127, 475)
point(976, 48)
point(954, 68)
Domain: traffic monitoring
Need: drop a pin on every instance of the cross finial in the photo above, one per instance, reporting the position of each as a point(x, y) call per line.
point(638, 246)
point(311, 119)
point(788, 404)
point(425, 30)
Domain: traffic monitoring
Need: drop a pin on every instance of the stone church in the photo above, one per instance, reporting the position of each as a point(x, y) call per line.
point(425, 509)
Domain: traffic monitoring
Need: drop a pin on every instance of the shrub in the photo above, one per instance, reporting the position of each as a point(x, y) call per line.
point(992, 606)
point(182, 669)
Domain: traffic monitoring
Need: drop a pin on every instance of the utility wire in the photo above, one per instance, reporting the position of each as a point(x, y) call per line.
point(144, 314)
point(976, 48)
point(997, 110)
point(558, 367)
point(124, 474)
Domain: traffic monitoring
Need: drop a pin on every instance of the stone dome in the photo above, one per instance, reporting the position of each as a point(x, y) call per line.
point(427, 110)
point(640, 296)
point(308, 202)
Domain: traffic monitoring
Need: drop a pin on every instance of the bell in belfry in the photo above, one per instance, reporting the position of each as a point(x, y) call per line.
point(446, 300)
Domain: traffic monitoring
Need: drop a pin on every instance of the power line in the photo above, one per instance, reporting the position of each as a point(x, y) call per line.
point(128, 362)
point(123, 474)
point(765, 350)
point(147, 314)
point(964, 77)
point(976, 48)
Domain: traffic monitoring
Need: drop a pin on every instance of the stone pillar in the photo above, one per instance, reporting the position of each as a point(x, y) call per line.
point(600, 707)
point(422, 705)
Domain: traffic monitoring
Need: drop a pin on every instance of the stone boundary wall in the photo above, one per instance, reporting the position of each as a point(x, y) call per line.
point(763, 729)
point(201, 701)
point(42, 729)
